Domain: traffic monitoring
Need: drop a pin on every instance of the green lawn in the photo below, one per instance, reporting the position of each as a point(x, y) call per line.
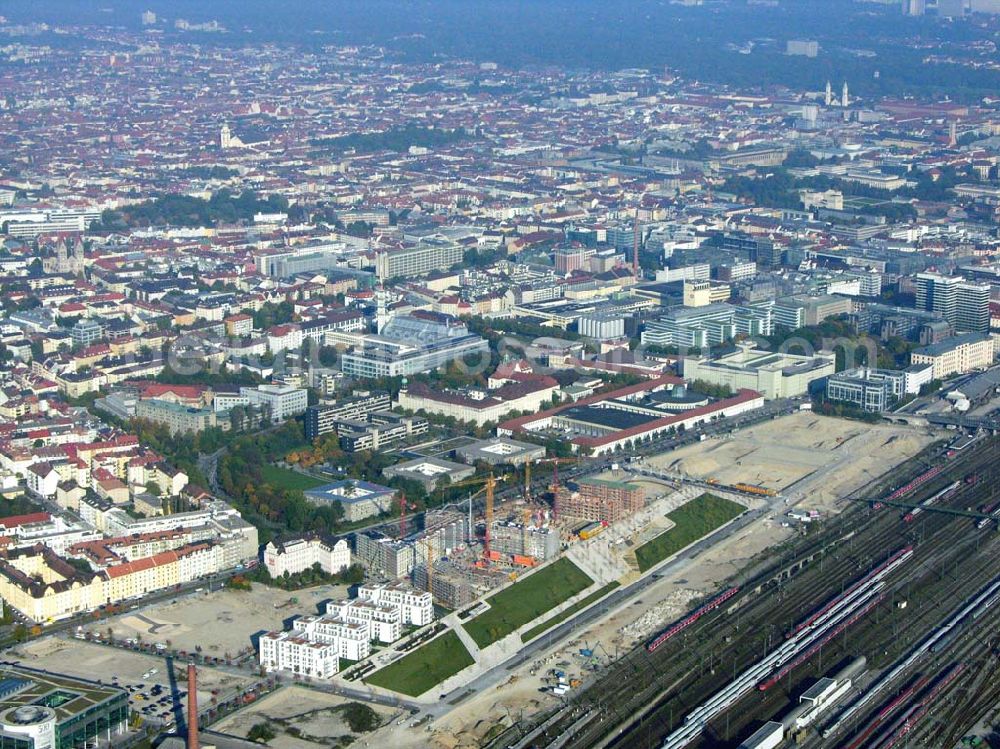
point(696, 519)
point(527, 600)
point(563, 616)
point(282, 478)
point(430, 664)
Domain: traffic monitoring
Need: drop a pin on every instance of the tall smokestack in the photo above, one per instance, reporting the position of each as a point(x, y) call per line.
point(192, 717)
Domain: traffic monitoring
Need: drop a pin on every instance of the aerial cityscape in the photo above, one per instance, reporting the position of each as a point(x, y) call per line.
point(500, 375)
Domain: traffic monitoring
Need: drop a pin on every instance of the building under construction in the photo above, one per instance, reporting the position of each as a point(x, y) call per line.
point(382, 554)
point(458, 581)
point(600, 500)
point(524, 541)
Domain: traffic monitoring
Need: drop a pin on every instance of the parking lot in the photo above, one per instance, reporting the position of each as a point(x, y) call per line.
point(157, 686)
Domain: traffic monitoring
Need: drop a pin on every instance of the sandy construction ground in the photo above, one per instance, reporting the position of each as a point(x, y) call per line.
point(812, 459)
point(220, 622)
point(309, 711)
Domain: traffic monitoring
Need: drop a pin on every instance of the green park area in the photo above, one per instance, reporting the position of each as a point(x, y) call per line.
point(526, 600)
point(282, 478)
point(562, 616)
point(425, 667)
point(694, 520)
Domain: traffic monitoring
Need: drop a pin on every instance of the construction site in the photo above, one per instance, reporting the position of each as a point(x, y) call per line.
point(784, 463)
point(507, 524)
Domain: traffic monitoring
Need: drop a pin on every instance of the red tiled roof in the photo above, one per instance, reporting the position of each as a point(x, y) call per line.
point(15, 521)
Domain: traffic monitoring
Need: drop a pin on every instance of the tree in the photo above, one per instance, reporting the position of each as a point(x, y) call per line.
point(153, 488)
point(360, 717)
point(261, 733)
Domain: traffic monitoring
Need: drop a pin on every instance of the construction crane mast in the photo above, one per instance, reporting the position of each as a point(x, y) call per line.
point(491, 483)
point(429, 556)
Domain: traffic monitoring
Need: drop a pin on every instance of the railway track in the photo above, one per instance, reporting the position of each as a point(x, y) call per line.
point(644, 695)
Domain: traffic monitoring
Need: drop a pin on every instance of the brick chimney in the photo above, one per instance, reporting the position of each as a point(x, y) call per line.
point(192, 716)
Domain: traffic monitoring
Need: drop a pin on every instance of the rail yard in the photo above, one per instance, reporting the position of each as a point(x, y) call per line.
point(906, 579)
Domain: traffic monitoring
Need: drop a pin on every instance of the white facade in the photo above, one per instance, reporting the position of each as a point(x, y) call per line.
point(282, 651)
point(302, 553)
point(283, 401)
point(383, 622)
point(415, 606)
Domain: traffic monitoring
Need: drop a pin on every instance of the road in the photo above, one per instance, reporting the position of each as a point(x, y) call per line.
point(617, 599)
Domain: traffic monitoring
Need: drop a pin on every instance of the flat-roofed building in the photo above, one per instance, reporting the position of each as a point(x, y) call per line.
point(500, 451)
point(359, 499)
point(322, 418)
point(774, 374)
point(480, 406)
point(601, 500)
point(430, 471)
point(43, 710)
point(409, 262)
point(957, 355)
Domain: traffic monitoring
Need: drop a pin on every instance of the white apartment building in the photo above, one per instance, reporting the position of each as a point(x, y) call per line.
point(349, 638)
point(384, 622)
point(300, 554)
point(282, 401)
point(415, 606)
point(283, 651)
point(314, 643)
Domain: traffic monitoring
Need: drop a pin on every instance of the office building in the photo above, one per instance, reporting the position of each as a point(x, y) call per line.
point(877, 389)
point(867, 389)
point(803, 47)
point(280, 401)
point(774, 374)
point(430, 471)
point(43, 710)
point(86, 332)
point(957, 355)
point(964, 304)
point(410, 262)
point(736, 271)
point(30, 224)
point(359, 499)
point(500, 451)
point(799, 311)
point(382, 428)
point(410, 344)
point(696, 272)
point(692, 327)
point(323, 418)
point(304, 259)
